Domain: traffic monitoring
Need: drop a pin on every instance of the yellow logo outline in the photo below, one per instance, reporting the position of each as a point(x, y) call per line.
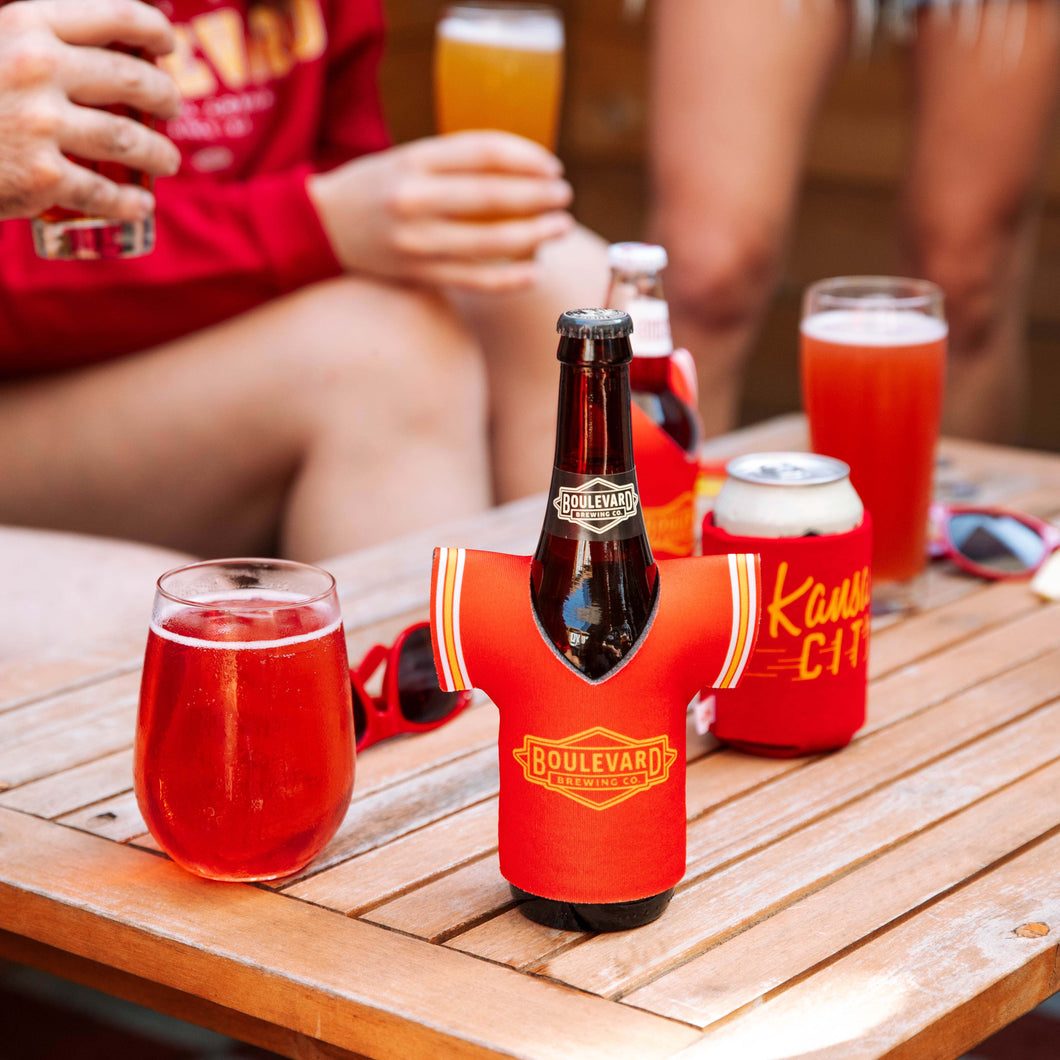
point(596, 760)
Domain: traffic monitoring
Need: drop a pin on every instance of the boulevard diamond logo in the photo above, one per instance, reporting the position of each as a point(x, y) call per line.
point(597, 505)
point(597, 768)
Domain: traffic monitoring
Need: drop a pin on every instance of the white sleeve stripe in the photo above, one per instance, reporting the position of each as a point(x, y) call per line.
point(734, 588)
point(439, 619)
point(752, 618)
point(457, 639)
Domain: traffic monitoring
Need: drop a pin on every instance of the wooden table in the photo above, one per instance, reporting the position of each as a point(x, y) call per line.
point(900, 898)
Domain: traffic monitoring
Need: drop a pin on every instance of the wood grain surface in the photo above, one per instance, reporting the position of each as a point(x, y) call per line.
point(873, 902)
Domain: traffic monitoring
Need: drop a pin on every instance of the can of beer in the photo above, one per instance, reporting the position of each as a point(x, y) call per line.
point(787, 495)
point(804, 688)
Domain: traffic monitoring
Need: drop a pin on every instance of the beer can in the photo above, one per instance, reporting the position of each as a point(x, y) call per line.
point(804, 689)
point(787, 495)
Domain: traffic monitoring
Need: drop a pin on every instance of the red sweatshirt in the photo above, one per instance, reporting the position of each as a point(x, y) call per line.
point(270, 94)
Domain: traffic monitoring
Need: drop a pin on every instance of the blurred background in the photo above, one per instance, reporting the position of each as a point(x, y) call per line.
point(846, 212)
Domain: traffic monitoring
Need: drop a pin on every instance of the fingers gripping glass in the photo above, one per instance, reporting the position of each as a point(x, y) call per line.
point(411, 699)
point(991, 542)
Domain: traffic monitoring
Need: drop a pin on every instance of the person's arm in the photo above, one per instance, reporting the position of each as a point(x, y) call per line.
point(54, 72)
point(467, 210)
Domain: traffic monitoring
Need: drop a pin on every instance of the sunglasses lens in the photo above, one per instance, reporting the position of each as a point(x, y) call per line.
point(360, 721)
point(421, 699)
point(997, 542)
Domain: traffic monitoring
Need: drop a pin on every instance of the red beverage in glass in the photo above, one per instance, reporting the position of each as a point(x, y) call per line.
point(244, 752)
point(872, 390)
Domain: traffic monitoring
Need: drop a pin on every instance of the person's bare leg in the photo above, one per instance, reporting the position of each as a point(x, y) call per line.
point(329, 419)
point(735, 88)
point(517, 333)
point(986, 84)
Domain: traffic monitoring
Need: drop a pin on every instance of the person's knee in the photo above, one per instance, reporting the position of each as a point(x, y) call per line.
point(967, 247)
point(390, 356)
point(721, 273)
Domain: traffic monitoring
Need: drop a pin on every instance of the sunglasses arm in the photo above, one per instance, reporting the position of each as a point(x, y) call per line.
point(370, 663)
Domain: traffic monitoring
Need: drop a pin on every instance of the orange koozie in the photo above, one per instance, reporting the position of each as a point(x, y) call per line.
point(592, 772)
point(805, 685)
point(666, 476)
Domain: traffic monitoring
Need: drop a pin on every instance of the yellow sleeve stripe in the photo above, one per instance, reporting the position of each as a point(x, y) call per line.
point(447, 618)
point(744, 618)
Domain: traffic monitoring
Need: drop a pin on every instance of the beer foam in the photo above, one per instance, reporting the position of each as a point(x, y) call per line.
point(170, 609)
point(525, 31)
point(875, 327)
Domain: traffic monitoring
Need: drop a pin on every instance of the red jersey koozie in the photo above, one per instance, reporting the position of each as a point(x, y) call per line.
point(592, 772)
point(805, 685)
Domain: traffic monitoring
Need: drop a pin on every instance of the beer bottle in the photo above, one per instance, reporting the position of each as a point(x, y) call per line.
point(665, 422)
point(636, 287)
point(593, 576)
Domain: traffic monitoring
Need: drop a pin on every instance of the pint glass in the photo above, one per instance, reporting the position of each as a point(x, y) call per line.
point(499, 66)
point(873, 363)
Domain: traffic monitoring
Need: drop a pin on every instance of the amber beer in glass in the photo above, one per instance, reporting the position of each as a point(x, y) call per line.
point(244, 749)
point(873, 365)
point(499, 66)
point(593, 597)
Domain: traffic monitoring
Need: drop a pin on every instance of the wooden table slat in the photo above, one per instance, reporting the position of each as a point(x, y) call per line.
point(806, 860)
point(72, 789)
point(912, 992)
point(334, 978)
point(377, 875)
point(744, 969)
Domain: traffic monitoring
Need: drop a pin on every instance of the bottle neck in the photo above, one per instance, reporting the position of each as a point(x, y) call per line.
point(640, 294)
point(593, 432)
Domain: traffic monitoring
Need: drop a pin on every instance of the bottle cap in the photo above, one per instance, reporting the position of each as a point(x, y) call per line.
point(595, 324)
point(636, 257)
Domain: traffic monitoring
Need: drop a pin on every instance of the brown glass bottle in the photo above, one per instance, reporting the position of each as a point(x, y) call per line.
point(593, 586)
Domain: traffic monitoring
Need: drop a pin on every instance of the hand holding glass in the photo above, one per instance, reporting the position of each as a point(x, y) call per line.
point(244, 754)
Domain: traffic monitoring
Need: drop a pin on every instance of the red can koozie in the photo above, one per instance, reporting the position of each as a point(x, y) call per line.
point(804, 689)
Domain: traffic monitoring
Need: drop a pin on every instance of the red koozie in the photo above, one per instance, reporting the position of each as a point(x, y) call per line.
point(667, 478)
point(592, 772)
point(805, 685)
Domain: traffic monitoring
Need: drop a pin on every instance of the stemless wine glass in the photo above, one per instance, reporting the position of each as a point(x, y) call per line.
point(499, 66)
point(244, 748)
point(873, 364)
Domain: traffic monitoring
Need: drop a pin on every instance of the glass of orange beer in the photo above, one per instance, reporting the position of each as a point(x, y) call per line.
point(873, 365)
point(499, 66)
point(244, 754)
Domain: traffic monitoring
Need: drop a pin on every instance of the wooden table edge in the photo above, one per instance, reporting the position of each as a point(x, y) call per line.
point(346, 983)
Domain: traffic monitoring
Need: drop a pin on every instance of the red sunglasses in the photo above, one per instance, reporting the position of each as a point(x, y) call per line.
point(992, 543)
point(412, 700)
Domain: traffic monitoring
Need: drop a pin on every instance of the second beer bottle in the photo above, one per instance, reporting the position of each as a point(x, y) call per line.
point(666, 428)
point(593, 577)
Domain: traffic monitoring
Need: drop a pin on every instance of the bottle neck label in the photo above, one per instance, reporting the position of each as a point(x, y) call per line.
point(594, 507)
point(651, 327)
